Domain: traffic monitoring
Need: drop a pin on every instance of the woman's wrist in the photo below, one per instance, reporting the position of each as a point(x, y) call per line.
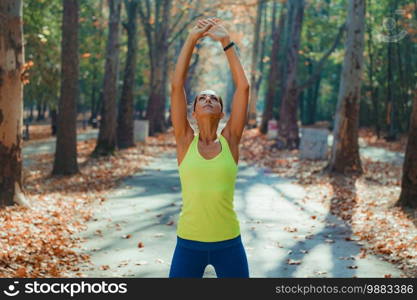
point(225, 41)
point(192, 38)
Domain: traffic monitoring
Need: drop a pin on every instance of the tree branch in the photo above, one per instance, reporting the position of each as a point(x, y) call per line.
point(317, 70)
point(213, 9)
point(145, 22)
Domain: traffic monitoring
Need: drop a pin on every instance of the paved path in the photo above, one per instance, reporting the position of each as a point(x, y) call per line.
point(375, 153)
point(48, 145)
point(147, 202)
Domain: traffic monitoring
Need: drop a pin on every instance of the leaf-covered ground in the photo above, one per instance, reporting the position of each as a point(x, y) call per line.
point(38, 242)
point(368, 135)
point(42, 130)
point(366, 203)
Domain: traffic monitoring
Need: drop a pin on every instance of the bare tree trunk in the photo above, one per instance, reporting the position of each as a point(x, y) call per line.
point(264, 37)
point(106, 144)
point(40, 116)
point(65, 162)
point(155, 111)
point(313, 107)
point(373, 90)
point(391, 102)
point(94, 102)
point(125, 134)
point(288, 128)
point(403, 95)
point(408, 196)
point(273, 76)
point(11, 103)
point(54, 116)
point(255, 65)
point(345, 151)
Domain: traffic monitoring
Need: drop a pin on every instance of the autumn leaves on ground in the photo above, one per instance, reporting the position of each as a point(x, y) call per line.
point(37, 242)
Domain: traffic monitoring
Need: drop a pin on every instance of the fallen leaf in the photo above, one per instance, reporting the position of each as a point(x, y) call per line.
point(293, 261)
point(290, 229)
point(21, 272)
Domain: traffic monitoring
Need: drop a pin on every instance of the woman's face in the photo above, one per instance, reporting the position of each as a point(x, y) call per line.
point(208, 103)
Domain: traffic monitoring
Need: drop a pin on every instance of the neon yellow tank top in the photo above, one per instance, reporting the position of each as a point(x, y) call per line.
point(207, 187)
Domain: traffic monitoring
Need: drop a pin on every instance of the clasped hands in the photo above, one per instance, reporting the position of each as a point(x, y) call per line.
point(209, 27)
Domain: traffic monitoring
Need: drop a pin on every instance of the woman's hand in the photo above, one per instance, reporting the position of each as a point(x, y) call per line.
point(202, 26)
point(217, 32)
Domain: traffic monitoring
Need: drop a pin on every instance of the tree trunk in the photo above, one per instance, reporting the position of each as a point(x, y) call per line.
point(264, 37)
point(31, 111)
point(314, 100)
point(273, 76)
point(39, 116)
point(307, 117)
point(373, 90)
point(44, 107)
point(392, 103)
point(345, 150)
point(93, 97)
point(11, 103)
point(403, 96)
point(255, 65)
point(65, 162)
point(53, 121)
point(106, 143)
point(125, 118)
point(288, 127)
point(408, 196)
point(155, 111)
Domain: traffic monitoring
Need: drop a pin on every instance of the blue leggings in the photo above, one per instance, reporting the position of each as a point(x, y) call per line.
point(227, 257)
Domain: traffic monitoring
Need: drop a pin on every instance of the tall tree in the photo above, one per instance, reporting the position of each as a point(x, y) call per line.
point(345, 151)
point(106, 143)
point(65, 162)
point(157, 33)
point(125, 134)
point(408, 196)
point(160, 35)
point(275, 65)
point(288, 128)
point(255, 65)
point(11, 103)
point(371, 75)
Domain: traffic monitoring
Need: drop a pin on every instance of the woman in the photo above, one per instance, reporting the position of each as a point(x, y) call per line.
point(208, 230)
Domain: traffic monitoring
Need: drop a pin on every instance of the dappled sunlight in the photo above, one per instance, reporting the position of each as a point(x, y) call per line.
point(319, 261)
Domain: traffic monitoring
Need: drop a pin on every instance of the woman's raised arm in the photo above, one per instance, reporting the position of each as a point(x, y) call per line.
point(178, 97)
point(238, 116)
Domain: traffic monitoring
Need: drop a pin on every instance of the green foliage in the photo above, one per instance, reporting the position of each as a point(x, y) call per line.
point(42, 35)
